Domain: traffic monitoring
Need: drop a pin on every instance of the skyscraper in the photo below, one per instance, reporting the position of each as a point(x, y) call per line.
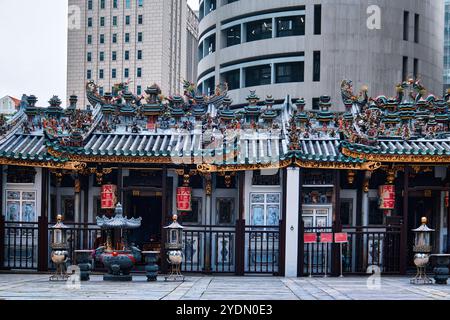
point(140, 41)
point(447, 46)
point(281, 47)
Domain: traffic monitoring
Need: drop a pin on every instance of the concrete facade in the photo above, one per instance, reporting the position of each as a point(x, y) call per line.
point(166, 37)
point(348, 48)
point(447, 46)
point(9, 105)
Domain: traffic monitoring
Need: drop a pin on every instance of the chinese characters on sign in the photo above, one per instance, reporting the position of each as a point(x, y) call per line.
point(387, 197)
point(109, 196)
point(184, 195)
point(310, 238)
point(340, 237)
point(326, 238)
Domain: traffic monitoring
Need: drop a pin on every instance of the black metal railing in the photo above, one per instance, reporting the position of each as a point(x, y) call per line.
point(317, 257)
point(20, 245)
point(262, 249)
point(209, 249)
point(368, 248)
point(374, 246)
point(80, 236)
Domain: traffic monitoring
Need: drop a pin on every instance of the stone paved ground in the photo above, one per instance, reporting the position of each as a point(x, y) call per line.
point(25, 287)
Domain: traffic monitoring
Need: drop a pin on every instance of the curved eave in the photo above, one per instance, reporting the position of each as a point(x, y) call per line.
point(396, 157)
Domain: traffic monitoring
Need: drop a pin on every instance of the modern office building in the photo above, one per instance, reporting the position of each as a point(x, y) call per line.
point(307, 47)
point(447, 46)
point(140, 41)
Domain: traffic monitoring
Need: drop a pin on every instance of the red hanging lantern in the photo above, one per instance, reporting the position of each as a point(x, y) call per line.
point(387, 197)
point(184, 197)
point(108, 196)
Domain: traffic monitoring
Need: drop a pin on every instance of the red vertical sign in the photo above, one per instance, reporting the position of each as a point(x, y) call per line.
point(184, 195)
point(387, 197)
point(108, 199)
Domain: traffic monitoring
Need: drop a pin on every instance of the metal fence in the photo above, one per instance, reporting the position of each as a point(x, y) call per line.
point(262, 249)
point(209, 248)
point(20, 245)
point(373, 246)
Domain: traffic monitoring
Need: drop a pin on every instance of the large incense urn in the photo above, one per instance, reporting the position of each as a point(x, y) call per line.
point(117, 255)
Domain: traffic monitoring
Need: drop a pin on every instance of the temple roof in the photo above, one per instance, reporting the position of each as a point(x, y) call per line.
point(205, 131)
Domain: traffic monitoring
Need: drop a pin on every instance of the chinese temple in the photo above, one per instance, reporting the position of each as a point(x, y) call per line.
point(247, 182)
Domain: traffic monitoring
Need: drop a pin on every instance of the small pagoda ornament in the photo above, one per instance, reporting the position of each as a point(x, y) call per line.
point(422, 248)
point(60, 248)
point(174, 247)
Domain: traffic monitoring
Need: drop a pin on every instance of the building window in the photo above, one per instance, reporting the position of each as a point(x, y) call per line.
point(114, 55)
point(140, 19)
point(127, 20)
point(126, 72)
point(416, 27)
point(140, 3)
point(90, 4)
point(102, 21)
point(100, 91)
point(416, 68)
point(114, 20)
point(127, 4)
point(102, 39)
point(139, 72)
point(225, 211)
point(89, 39)
point(139, 54)
point(89, 56)
point(266, 178)
point(102, 56)
point(101, 74)
point(257, 76)
point(317, 19)
point(195, 215)
point(210, 44)
point(233, 36)
point(89, 22)
point(405, 25)
point(21, 206)
point(210, 5)
point(89, 74)
point(102, 4)
point(265, 209)
point(114, 38)
point(127, 55)
point(258, 30)
point(200, 51)
point(115, 4)
point(290, 26)
point(316, 66)
point(290, 72)
point(209, 86)
point(140, 36)
point(405, 68)
point(139, 90)
point(127, 37)
point(113, 73)
point(232, 79)
point(315, 103)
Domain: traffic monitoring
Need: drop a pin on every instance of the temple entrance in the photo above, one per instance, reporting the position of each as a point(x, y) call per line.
point(147, 205)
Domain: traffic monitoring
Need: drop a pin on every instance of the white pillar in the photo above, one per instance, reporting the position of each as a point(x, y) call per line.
point(365, 209)
point(292, 219)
